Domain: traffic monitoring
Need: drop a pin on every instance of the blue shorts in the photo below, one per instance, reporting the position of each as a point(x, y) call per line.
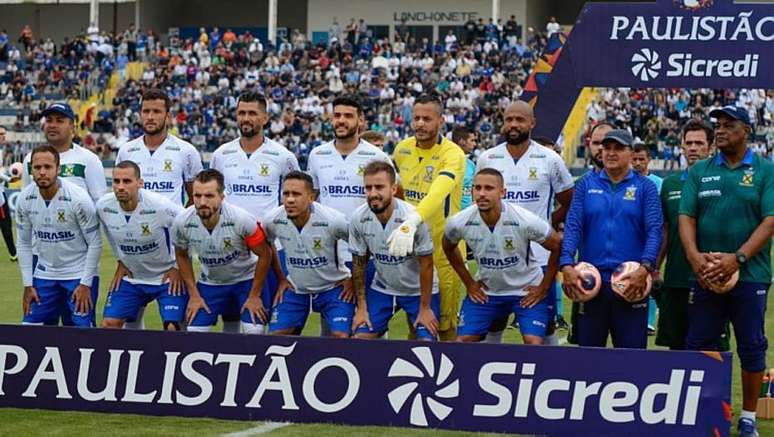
point(370, 272)
point(124, 303)
point(223, 299)
point(56, 300)
point(744, 306)
point(475, 318)
point(382, 306)
point(608, 313)
point(232, 313)
point(292, 312)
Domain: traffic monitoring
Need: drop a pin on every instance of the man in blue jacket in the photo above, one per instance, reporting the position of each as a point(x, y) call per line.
point(615, 216)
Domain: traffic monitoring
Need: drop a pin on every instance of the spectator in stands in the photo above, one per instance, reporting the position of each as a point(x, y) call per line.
point(373, 137)
point(552, 27)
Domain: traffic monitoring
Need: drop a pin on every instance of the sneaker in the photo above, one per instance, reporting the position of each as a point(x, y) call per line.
point(561, 323)
point(14, 259)
point(651, 331)
point(747, 428)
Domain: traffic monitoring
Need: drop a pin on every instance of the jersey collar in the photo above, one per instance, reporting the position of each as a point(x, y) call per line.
point(720, 159)
point(603, 175)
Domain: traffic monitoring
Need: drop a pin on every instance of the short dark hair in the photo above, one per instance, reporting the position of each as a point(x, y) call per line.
point(694, 125)
point(641, 147)
point(157, 94)
point(45, 148)
point(252, 96)
point(459, 134)
point(492, 172)
point(371, 136)
point(430, 99)
point(350, 101)
point(301, 176)
point(130, 164)
point(208, 175)
point(544, 141)
point(375, 167)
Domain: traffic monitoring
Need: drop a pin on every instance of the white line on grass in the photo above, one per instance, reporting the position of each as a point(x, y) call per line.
point(263, 428)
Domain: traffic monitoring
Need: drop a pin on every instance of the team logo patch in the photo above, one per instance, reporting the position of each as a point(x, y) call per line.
point(317, 244)
point(509, 244)
point(167, 165)
point(360, 169)
point(747, 179)
point(60, 216)
point(429, 173)
point(67, 171)
point(532, 174)
point(264, 169)
point(227, 243)
point(145, 229)
point(630, 191)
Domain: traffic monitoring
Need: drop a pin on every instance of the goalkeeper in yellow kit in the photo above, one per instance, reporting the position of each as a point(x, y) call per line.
point(432, 169)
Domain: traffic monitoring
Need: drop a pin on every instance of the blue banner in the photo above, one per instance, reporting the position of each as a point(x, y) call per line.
point(474, 387)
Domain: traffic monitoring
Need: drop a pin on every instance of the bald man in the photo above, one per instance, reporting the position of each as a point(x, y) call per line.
point(533, 175)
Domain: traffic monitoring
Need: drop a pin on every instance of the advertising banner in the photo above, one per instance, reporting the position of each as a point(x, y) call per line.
point(476, 387)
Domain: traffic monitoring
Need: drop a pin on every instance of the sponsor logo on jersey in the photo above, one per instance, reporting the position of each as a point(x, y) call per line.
point(167, 165)
point(219, 261)
point(498, 263)
point(270, 152)
point(630, 193)
point(343, 190)
point(133, 149)
point(537, 155)
point(414, 195)
point(138, 249)
point(229, 152)
point(298, 262)
point(54, 236)
point(510, 223)
point(147, 211)
point(249, 189)
point(523, 196)
point(472, 223)
point(279, 221)
point(366, 153)
point(191, 225)
point(324, 152)
point(404, 152)
point(110, 210)
point(159, 186)
point(319, 225)
point(710, 193)
point(366, 219)
point(388, 259)
point(595, 191)
point(227, 224)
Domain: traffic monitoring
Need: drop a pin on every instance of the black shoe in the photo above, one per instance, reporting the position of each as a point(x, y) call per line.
point(561, 323)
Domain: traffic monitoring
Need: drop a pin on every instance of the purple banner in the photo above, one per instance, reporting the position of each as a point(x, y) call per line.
point(474, 387)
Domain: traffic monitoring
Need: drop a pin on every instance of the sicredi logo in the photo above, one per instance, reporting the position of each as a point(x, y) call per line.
point(646, 66)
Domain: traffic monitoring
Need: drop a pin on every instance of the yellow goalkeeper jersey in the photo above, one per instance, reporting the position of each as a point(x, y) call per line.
point(432, 180)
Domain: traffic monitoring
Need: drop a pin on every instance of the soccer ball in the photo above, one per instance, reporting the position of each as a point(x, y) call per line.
point(16, 169)
point(618, 285)
point(590, 281)
point(721, 288)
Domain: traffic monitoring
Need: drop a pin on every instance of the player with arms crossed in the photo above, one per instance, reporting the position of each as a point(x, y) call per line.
point(432, 171)
point(138, 223)
point(309, 232)
point(499, 234)
point(226, 239)
point(61, 216)
point(400, 282)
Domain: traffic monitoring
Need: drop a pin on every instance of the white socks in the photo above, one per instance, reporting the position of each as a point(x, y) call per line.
point(249, 328)
point(199, 328)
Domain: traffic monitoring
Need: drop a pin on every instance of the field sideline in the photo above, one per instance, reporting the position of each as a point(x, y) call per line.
point(50, 423)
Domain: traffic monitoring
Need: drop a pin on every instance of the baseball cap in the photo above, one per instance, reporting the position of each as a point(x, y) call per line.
point(620, 136)
point(60, 108)
point(732, 111)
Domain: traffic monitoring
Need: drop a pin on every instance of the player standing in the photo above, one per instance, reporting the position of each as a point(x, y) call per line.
point(61, 216)
point(727, 219)
point(226, 239)
point(138, 223)
point(499, 234)
point(310, 233)
point(533, 176)
point(400, 282)
point(432, 171)
point(168, 163)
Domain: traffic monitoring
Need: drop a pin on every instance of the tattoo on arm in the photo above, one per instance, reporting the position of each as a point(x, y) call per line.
point(359, 275)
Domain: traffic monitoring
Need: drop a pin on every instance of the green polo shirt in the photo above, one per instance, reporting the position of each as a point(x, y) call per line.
point(677, 270)
point(728, 204)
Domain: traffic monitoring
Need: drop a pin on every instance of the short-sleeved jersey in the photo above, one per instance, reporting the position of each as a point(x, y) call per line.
point(419, 168)
point(311, 252)
point(141, 239)
point(728, 205)
point(339, 178)
point(530, 182)
point(677, 270)
point(165, 171)
point(79, 166)
point(63, 229)
point(223, 254)
point(397, 275)
point(502, 253)
point(254, 181)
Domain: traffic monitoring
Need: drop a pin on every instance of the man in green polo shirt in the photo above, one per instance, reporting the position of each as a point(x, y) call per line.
point(672, 299)
point(726, 222)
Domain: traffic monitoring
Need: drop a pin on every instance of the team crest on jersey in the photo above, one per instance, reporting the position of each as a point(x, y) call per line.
point(532, 174)
point(227, 243)
point(509, 244)
point(60, 216)
point(67, 171)
point(747, 178)
point(317, 243)
point(145, 229)
point(264, 169)
point(167, 164)
point(429, 173)
point(360, 169)
point(629, 194)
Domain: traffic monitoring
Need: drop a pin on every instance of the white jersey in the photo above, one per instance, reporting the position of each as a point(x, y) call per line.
point(502, 253)
point(395, 275)
point(531, 182)
point(141, 239)
point(340, 178)
point(79, 166)
point(66, 231)
point(310, 253)
point(223, 253)
point(254, 182)
point(165, 171)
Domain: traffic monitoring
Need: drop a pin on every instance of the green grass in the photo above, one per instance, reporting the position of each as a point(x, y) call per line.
point(18, 422)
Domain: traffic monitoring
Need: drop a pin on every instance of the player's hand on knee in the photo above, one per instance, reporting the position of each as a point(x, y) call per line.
point(361, 318)
point(535, 293)
point(195, 304)
point(82, 299)
point(30, 295)
point(254, 306)
point(283, 285)
point(427, 318)
point(175, 281)
point(121, 273)
point(477, 292)
point(347, 291)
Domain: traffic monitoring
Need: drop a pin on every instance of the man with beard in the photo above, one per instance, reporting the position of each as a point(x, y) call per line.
point(233, 253)
point(401, 282)
point(337, 167)
point(167, 162)
point(533, 175)
point(253, 167)
point(432, 172)
point(62, 218)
